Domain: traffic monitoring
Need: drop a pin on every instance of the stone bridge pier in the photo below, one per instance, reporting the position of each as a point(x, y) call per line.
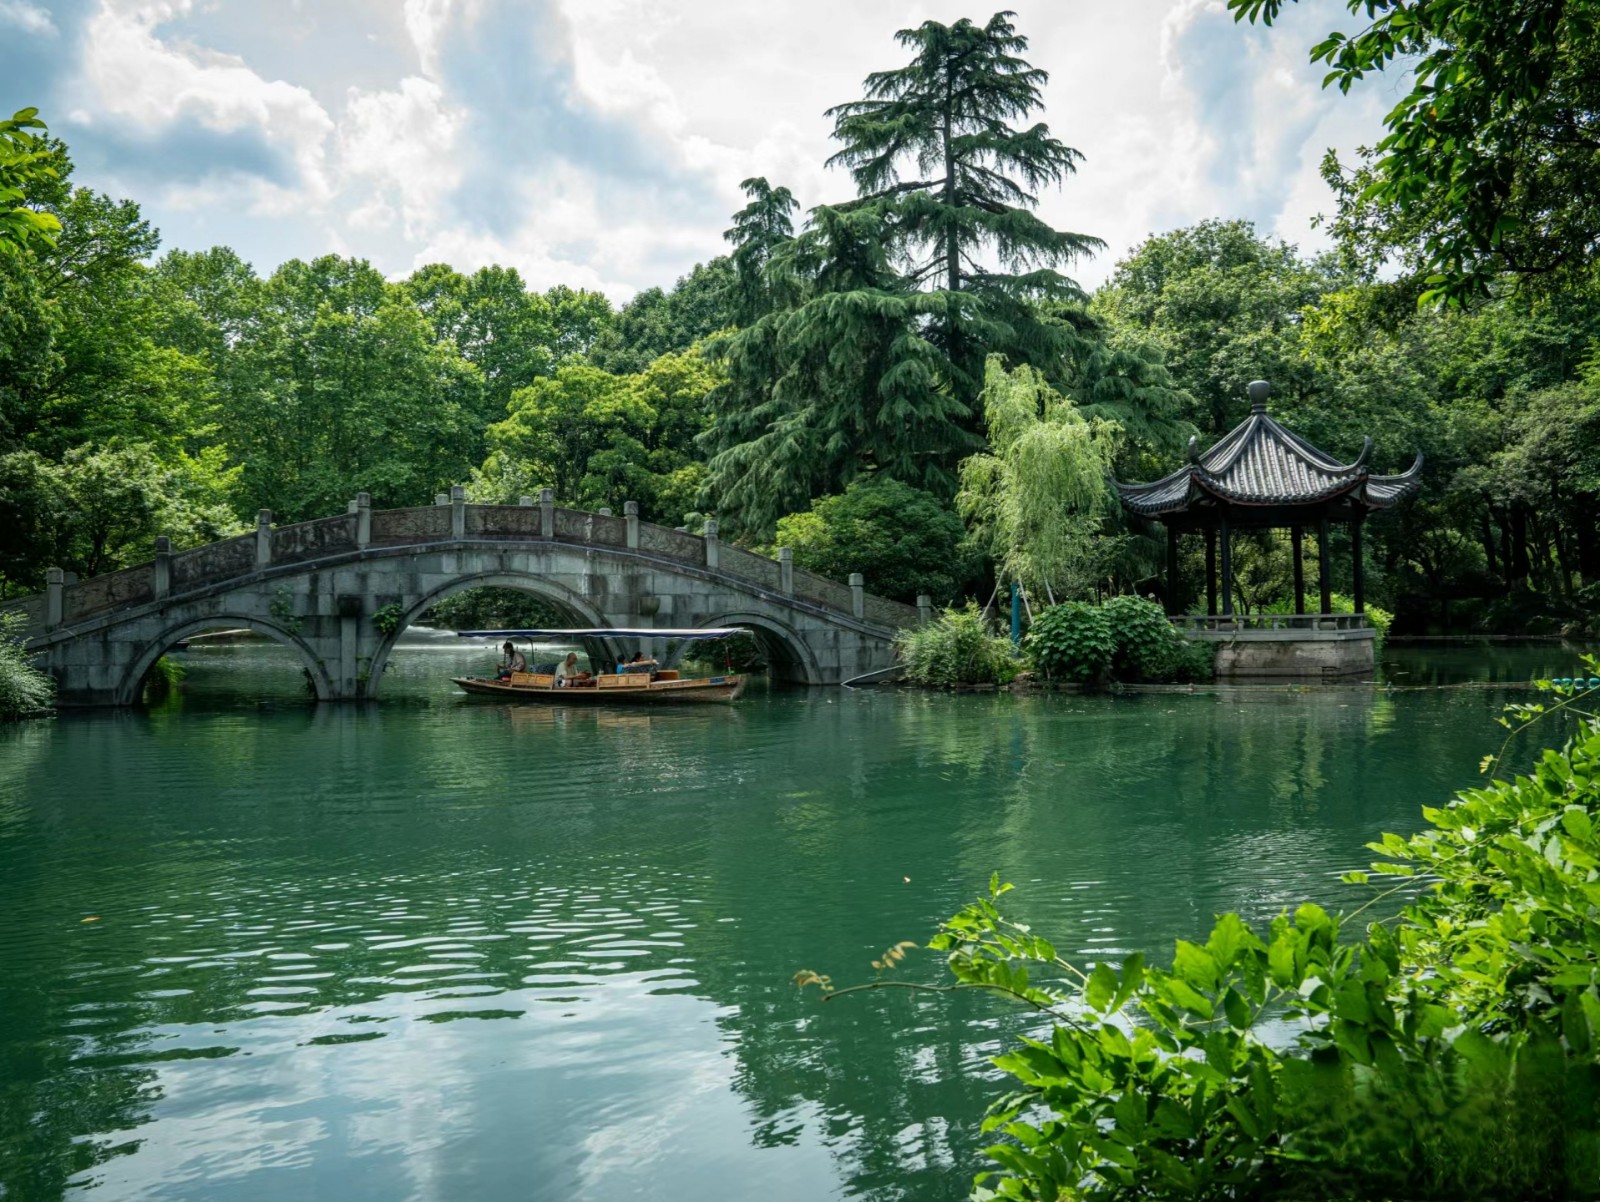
point(340, 591)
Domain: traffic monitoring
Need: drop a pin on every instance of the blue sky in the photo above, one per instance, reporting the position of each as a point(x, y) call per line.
point(600, 143)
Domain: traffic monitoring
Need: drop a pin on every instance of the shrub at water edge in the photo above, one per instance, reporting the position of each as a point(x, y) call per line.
point(1072, 641)
point(25, 692)
point(1452, 1052)
point(1127, 639)
point(956, 649)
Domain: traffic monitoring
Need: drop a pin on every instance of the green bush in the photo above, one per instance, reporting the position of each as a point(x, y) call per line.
point(901, 540)
point(1072, 642)
point(1127, 639)
point(25, 692)
point(956, 649)
point(1142, 636)
point(1450, 1052)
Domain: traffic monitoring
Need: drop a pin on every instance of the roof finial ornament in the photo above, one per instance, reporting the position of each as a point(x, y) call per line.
point(1194, 448)
point(1258, 395)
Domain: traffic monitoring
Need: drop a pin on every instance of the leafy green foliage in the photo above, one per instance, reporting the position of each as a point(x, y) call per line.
point(600, 439)
point(1487, 162)
point(1127, 639)
point(1223, 305)
point(1450, 1053)
point(865, 336)
point(836, 382)
point(945, 120)
point(1142, 637)
point(100, 508)
point(957, 648)
point(161, 681)
point(901, 539)
point(387, 618)
point(656, 323)
point(1036, 500)
point(1071, 641)
point(25, 692)
point(25, 163)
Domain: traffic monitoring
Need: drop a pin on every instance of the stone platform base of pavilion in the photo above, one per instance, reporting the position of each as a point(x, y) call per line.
point(1298, 646)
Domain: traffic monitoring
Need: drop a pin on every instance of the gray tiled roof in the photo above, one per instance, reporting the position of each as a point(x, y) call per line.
point(1261, 463)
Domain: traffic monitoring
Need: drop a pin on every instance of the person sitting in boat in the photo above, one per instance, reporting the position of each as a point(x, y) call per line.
point(567, 672)
point(511, 661)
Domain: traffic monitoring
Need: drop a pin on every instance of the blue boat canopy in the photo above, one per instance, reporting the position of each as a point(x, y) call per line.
point(604, 632)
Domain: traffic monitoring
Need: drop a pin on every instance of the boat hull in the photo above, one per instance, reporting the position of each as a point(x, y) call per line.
point(663, 692)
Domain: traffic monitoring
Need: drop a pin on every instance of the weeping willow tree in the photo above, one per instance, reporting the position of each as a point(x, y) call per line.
point(1036, 500)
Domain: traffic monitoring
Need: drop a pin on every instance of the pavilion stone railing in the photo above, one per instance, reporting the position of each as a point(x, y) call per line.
point(1236, 623)
point(449, 519)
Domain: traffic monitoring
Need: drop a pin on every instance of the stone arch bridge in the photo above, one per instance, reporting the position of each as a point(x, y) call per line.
point(317, 588)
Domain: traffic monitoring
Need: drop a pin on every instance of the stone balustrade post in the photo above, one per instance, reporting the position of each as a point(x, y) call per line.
point(441, 498)
point(786, 570)
point(858, 594)
point(630, 511)
point(55, 583)
point(458, 511)
point(604, 511)
point(547, 513)
point(924, 608)
point(525, 502)
point(161, 570)
point(350, 506)
point(263, 537)
point(363, 519)
point(713, 543)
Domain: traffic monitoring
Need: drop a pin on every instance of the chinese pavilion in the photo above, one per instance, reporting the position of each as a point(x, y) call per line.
point(1263, 476)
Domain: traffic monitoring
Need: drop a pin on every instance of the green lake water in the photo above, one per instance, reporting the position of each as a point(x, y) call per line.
point(445, 949)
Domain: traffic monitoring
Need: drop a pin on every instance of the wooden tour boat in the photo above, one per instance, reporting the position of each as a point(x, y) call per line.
point(641, 682)
point(667, 688)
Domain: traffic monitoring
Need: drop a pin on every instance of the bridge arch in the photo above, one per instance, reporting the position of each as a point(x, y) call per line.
point(129, 688)
point(577, 609)
point(788, 654)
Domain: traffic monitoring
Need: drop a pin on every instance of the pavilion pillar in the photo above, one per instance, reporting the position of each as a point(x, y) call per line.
point(1297, 536)
point(1174, 605)
point(1227, 566)
point(1358, 575)
point(1324, 580)
point(1211, 572)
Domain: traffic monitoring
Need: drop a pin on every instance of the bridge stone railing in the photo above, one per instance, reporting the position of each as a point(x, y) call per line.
point(449, 519)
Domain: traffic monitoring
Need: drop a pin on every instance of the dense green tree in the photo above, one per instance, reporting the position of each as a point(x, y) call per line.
point(656, 323)
point(758, 230)
point(33, 535)
point(1037, 500)
point(936, 150)
point(866, 332)
point(25, 163)
point(902, 540)
point(342, 387)
point(508, 333)
point(600, 439)
point(1489, 159)
point(578, 318)
point(1224, 306)
point(838, 382)
point(82, 363)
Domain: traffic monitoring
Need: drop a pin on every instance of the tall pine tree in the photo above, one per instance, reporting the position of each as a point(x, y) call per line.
point(865, 335)
point(937, 148)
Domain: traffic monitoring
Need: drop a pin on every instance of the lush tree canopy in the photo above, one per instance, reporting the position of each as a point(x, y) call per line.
point(1488, 163)
point(903, 541)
